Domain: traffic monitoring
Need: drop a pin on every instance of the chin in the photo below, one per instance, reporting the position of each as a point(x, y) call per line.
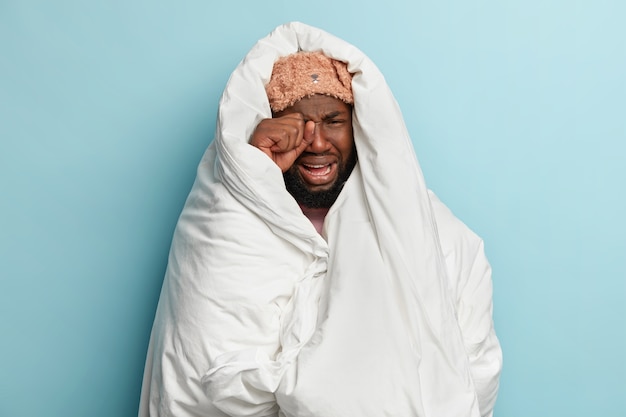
point(319, 188)
point(312, 196)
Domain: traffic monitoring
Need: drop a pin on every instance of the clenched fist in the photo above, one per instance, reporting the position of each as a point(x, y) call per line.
point(283, 138)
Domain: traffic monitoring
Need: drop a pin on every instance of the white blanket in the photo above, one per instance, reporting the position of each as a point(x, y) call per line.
point(387, 314)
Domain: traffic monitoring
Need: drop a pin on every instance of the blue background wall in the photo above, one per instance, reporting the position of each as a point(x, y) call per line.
point(517, 109)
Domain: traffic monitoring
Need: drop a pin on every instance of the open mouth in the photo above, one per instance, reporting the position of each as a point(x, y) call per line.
point(318, 174)
point(317, 169)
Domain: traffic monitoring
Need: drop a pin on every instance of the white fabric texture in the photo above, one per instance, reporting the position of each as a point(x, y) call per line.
point(388, 313)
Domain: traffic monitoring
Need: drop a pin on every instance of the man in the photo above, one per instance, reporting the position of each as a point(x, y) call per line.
point(309, 135)
point(304, 283)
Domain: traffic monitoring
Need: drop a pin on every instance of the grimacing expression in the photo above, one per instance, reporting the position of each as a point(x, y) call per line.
point(317, 176)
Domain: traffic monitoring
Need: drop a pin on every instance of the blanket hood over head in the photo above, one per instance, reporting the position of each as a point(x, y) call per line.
point(259, 315)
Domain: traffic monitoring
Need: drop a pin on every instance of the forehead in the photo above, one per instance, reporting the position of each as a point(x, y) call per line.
point(318, 106)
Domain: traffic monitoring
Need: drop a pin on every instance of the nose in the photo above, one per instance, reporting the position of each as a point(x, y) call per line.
point(314, 133)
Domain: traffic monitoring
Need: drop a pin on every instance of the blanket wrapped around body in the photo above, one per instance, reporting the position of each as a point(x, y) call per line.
point(387, 313)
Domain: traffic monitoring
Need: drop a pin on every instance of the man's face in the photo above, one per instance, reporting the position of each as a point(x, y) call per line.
point(317, 176)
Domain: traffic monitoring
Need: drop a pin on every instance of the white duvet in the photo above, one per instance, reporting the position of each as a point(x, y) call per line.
point(387, 314)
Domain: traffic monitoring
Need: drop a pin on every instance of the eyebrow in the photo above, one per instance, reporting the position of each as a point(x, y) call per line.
point(331, 115)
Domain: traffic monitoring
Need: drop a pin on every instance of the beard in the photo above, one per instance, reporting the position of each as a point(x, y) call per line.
point(318, 199)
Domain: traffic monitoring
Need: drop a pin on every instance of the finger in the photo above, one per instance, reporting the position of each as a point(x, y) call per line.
point(287, 132)
point(286, 137)
point(307, 138)
point(309, 131)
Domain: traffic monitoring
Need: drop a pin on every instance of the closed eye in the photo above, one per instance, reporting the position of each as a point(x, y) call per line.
point(334, 119)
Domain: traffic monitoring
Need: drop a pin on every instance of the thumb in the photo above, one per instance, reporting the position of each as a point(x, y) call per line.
point(309, 131)
point(308, 137)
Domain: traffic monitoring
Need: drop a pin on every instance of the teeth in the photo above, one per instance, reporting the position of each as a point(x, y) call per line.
point(318, 169)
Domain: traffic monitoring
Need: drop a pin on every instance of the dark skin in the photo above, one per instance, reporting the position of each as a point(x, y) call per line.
point(313, 138)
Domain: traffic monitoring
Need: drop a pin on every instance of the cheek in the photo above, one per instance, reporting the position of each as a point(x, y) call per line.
point(345, 145)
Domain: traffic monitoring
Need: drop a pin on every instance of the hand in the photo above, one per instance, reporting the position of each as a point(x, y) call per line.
point(284, 138)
